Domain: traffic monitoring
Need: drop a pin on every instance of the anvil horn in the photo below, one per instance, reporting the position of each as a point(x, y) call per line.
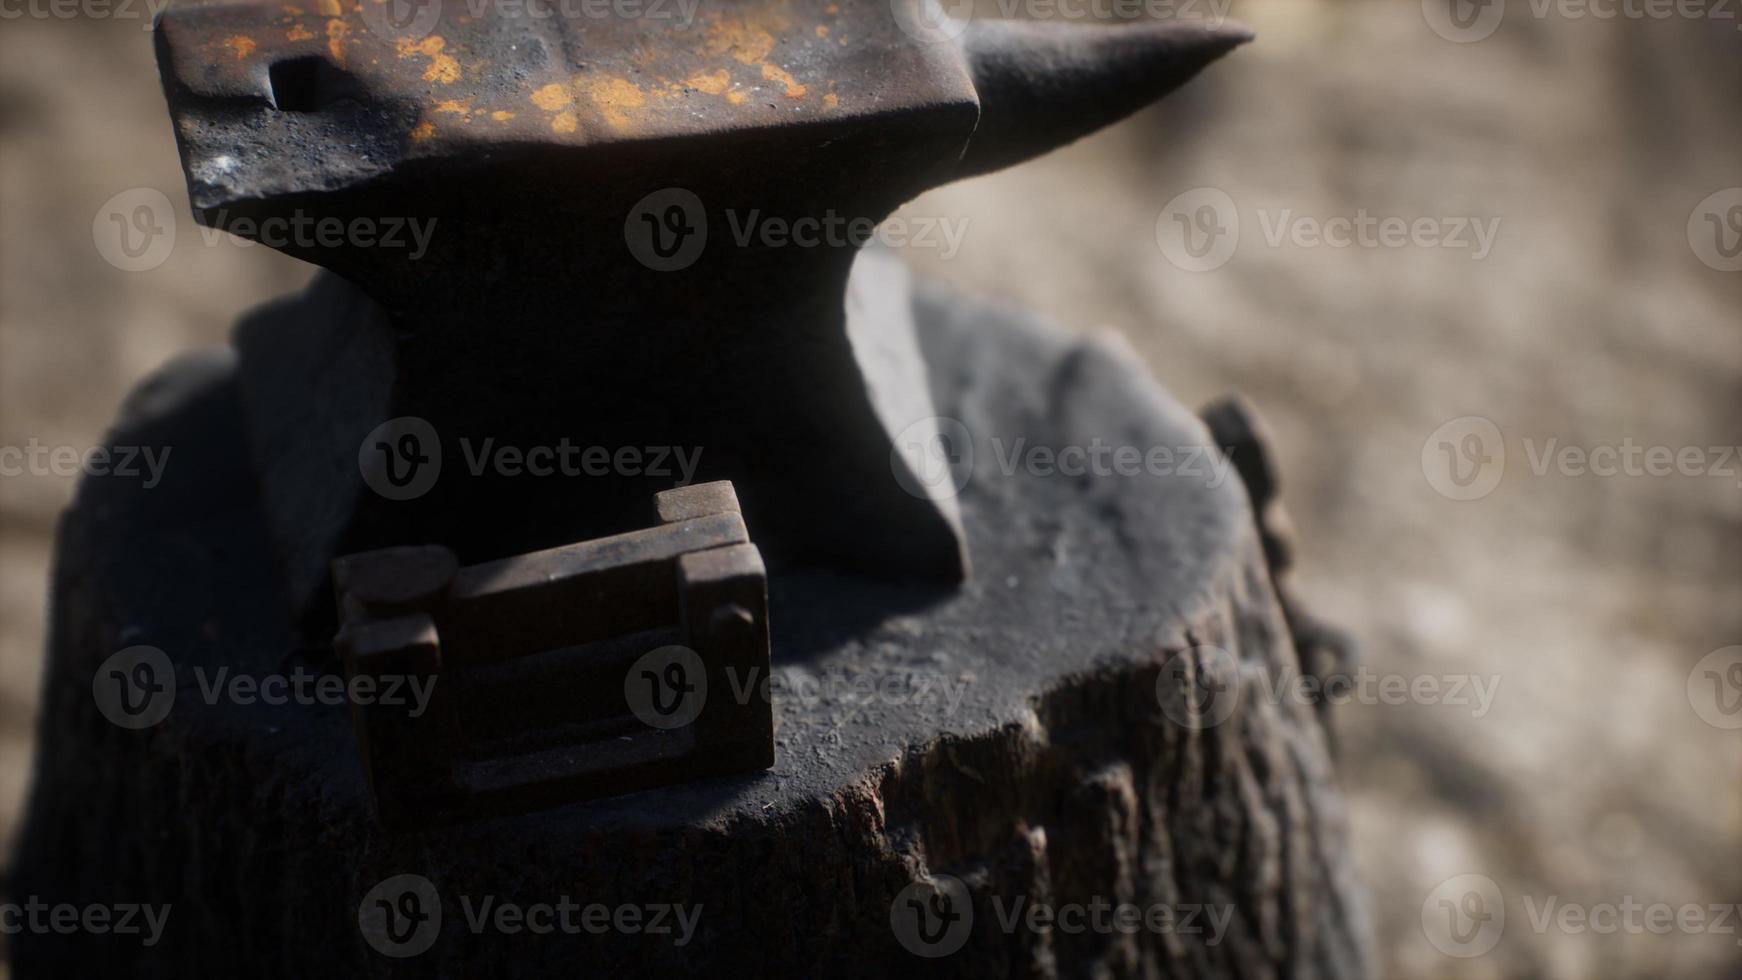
point(1044, 84)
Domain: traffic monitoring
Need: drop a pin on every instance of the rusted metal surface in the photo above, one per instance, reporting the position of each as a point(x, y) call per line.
point(545, 671)
point(539, 147)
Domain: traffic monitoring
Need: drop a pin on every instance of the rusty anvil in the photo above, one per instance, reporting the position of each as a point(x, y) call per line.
point(540, 145)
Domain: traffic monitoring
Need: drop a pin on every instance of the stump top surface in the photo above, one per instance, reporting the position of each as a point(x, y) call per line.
point(1072, 575)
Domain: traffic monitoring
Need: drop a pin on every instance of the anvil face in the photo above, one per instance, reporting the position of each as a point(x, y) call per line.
point(290, 102)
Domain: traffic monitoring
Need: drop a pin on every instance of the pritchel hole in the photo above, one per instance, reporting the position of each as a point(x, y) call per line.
point(310, 84)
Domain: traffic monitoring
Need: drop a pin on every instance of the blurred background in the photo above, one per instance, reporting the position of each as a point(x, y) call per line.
point(1604, 310)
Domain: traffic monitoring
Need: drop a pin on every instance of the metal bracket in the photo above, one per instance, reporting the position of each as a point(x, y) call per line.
point(589, 670)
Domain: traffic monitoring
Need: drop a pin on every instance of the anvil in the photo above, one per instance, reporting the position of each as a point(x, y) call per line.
point(583, 283)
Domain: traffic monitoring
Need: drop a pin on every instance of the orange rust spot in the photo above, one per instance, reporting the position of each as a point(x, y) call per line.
point(501, 115)
point(329, 8)
point(833, 8)
point(736, 98)
point(337, 32)
point(552, 97)
point(822, 31)
point(299, 33)
point(442, 67)
point(423, 131)
point(714, 83)
point(453, 106)
point(745, 42)
point(241, 45)
point(564, 123)
point(831, 100)
point(774, 74)
point(614, 96)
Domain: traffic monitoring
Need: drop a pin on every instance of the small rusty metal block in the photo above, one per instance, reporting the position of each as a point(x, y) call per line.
point(593, 669)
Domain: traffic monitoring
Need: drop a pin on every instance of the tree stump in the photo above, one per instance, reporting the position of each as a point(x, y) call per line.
point(1037, 736)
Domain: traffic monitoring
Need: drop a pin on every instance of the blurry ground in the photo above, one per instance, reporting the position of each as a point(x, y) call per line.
point(1591, 779)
